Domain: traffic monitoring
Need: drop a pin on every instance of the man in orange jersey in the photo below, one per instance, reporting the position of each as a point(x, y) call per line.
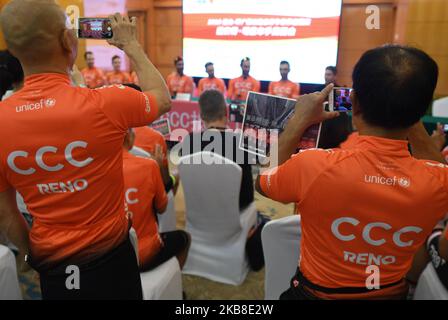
point(177, 81)
point(117, 76)
point(62, 151)
point(145, 196)
point(93, 77)
point(211, 82)
point(284, 87)
point(365, 210)
point(240, 87)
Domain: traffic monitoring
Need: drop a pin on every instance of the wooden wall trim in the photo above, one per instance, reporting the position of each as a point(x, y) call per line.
point(168, 4)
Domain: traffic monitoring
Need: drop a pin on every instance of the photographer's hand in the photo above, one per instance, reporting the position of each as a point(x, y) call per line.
point(151, 81)
point(308, 111)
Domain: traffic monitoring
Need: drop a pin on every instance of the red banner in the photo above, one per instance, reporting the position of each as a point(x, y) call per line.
point(257, 27)
point(185, 118)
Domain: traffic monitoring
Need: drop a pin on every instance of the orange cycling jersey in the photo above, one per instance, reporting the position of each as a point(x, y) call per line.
point(371, 204)
point(287, 89)
point(118, 78)
point(240, 87)
point(144, 190)
point(93, 77)
point(179, 84)
point(147, 139)
point(211, 84)
point(61, 149)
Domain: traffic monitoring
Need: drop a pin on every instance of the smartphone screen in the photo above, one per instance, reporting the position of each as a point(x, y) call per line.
point(340, 99)
point(445, 128)
point(94, 28)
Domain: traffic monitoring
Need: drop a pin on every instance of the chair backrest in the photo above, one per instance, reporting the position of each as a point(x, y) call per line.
point(9, 282)
point(281, 249)
point(429, 286)
point(440, 107)
point(167, 220)
point(211, 186)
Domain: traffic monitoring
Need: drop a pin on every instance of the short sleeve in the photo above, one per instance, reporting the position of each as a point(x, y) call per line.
point(257, 86)
point(200, 86)
point(230, 91)
point(290, 181)
point(127, 108)
point(223, 85)
point(271, 88)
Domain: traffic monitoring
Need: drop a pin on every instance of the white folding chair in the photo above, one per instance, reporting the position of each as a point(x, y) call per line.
point(440, 108)
point(218, 229)
point(9, 282)
point(167, 220)
point(163, 282)
point(281, 248)
point(429, 286)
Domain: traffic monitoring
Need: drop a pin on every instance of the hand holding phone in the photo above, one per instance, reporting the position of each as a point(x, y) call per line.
point(125, 30)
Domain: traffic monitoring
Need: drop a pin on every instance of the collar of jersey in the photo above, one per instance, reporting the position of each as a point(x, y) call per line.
point(46, 79)
point(383, 145)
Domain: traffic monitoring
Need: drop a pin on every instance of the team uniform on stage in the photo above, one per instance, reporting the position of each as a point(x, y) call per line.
point(147, 138)
point(240, 87)
point(286, 89)
point(179, 84)
point(211, 84)
point(93, 77)
point(118, 78)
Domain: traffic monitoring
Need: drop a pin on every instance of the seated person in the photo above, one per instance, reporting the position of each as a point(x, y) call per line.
point(373, 203)
point(178, 82)
point(214, 115)
point(145, 197)
point(153, 142)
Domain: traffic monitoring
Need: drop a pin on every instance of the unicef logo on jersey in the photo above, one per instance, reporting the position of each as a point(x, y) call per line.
point(50, 102)
point(404, 182)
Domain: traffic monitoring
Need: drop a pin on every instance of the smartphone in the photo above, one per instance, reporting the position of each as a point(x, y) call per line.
point(94, 28)
point(445, 128)
point(339, 99)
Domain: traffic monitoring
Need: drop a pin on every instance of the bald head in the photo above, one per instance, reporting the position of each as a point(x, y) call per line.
point(36, 30)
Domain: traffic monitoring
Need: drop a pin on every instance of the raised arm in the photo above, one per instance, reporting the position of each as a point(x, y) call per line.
point(151, 81)
point(308, 111)
point(422, 146)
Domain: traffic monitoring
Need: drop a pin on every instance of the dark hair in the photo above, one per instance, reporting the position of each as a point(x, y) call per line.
point(394, 85)
point(133, 86)
point(284, 62)
point(208, 64)
point(87, 53)
point(332, 69)
point(244, 60)
point(212, 105)
point(115, 57)
point(178, 59)
point(11, 71)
